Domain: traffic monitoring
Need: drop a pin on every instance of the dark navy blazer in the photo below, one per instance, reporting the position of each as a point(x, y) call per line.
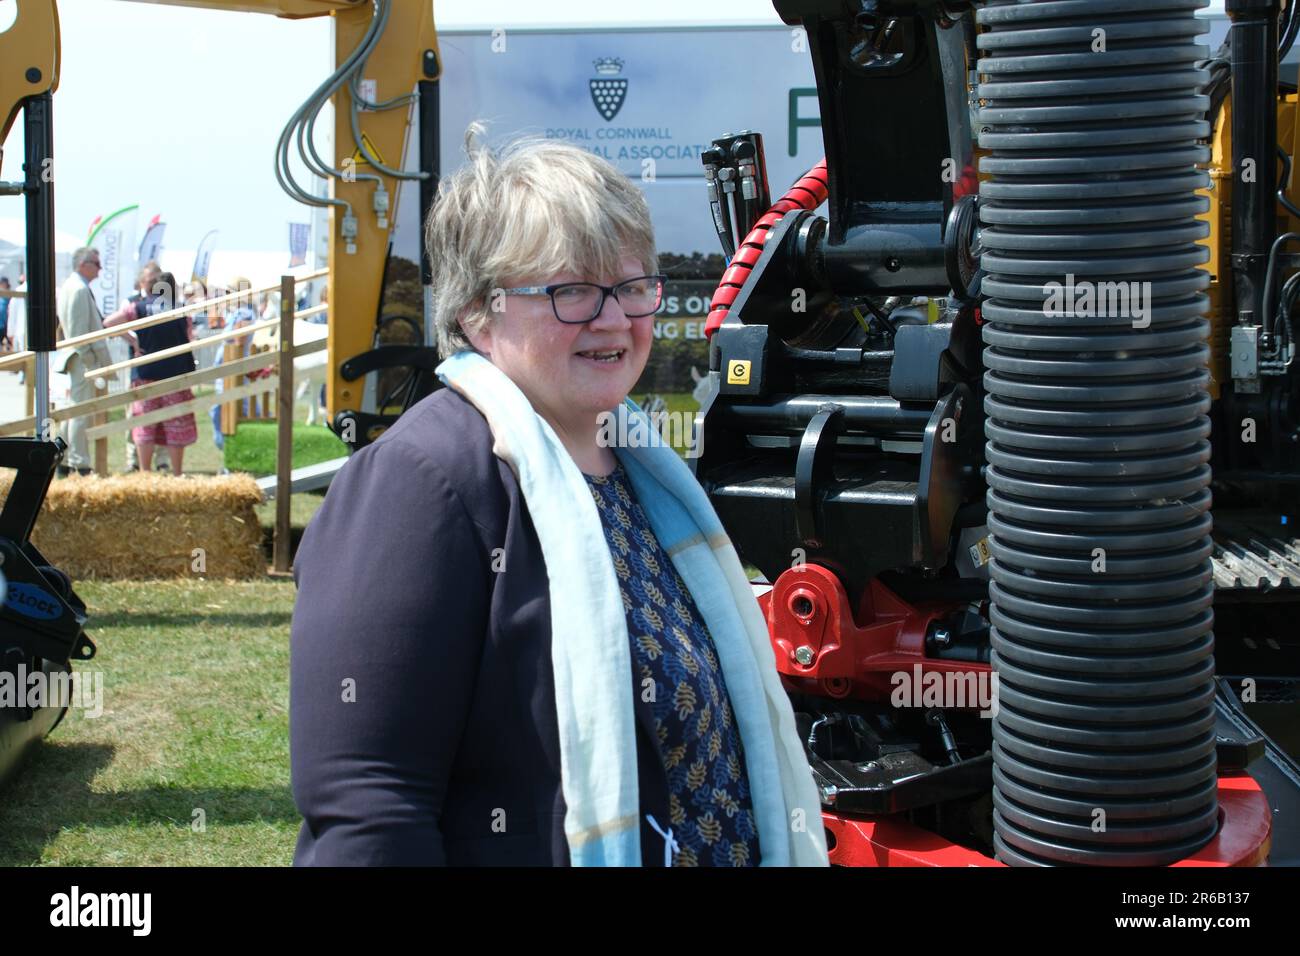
point(422, 715)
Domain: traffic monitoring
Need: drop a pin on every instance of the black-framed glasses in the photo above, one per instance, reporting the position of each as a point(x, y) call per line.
point(575, 303)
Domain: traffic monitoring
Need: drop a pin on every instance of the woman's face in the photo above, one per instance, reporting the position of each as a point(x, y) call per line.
point(541, 354)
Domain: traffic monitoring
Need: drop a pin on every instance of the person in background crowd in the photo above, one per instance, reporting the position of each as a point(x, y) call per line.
point(322, 318)
point(205, 323)
point(5, 343)
point(18, 322)
point(149, 274)
point(270, 306)
point(238, 314)
point(80, 315)
point(175, 434)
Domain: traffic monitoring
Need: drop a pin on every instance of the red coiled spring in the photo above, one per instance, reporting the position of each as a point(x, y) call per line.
point(808, 193)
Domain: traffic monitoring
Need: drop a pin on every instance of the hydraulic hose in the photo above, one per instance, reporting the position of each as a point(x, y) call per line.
point(1097, 429)
point(301, 125)
point(808, 193)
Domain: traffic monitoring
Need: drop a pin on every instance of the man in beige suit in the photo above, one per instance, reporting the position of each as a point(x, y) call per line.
point(79, 315)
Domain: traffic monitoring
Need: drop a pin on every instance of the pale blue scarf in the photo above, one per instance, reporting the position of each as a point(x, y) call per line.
point(590, 649)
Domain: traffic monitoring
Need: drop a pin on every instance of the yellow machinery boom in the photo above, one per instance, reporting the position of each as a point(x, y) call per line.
point(404, 55)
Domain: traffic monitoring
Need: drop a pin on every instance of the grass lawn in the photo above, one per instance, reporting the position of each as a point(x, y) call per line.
point(195, 717)
point(301, 508)
point(252, 447)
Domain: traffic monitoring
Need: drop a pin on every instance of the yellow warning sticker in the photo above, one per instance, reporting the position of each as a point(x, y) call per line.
point(738, 372)
point(359, 159)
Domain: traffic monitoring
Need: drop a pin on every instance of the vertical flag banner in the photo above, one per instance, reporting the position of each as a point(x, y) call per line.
point(114, 236)
point(151, 244)
point(299, 234)
point(203, 257)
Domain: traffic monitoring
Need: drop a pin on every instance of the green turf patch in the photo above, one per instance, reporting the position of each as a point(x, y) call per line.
point(188, 764)
point(252, 447)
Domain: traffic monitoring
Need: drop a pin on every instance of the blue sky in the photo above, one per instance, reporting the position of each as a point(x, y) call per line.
point(178, 110)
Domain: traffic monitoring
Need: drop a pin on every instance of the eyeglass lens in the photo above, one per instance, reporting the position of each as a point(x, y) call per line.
point(581, 302)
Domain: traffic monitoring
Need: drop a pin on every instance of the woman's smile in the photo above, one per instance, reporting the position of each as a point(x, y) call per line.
point(604, 358)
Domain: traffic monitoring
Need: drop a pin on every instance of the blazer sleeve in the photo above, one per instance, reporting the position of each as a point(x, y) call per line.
point(388, 630)
point(81, 316)
point(99, 353)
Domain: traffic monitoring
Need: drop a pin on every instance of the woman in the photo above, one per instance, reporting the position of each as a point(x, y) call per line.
point(176, 433)
point(5, 343)
point(239, 313)
point(494, 658)
point(201, 322)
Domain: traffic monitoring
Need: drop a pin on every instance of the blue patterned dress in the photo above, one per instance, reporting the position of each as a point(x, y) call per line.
point(710, 811)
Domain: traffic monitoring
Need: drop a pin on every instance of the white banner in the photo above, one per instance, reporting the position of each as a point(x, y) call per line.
point(648, 100)
point(114, 237)
point(203, 258)
point(151, 244)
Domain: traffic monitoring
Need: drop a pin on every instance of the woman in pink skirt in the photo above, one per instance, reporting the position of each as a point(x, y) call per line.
point(173, 433)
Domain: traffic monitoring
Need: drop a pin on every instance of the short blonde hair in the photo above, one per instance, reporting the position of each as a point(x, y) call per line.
point(149, 272)
point(535, 208)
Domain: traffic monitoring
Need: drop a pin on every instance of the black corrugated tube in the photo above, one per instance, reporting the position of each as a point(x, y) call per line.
point(1098, 436)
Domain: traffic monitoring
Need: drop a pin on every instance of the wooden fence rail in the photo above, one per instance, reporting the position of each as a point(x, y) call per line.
point(282, 379)
point(163, 387)
point(17, 358)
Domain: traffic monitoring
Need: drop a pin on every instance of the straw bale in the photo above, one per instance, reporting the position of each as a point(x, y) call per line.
point(147, 525)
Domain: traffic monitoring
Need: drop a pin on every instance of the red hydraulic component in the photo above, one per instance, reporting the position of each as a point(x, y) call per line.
point(1244, 837)
point(824, 648)
point(808, 193)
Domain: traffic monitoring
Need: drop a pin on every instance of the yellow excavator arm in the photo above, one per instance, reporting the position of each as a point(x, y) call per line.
point(291, 9)
point(404, 54)
point(29, 59)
